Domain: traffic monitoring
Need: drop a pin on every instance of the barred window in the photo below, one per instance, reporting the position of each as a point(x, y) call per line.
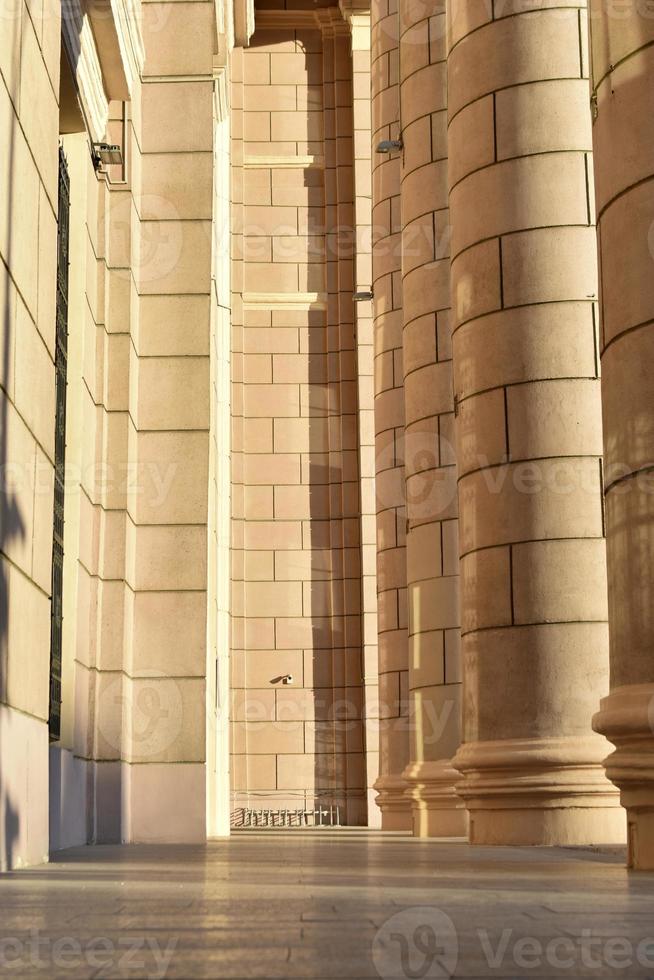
point(61, 353)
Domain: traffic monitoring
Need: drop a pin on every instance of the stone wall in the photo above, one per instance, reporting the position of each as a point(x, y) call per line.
point(29, 111)
point(297, 642)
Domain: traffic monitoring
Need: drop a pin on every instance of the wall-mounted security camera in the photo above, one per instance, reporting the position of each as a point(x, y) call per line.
point(390, 146)
point(282, 679)
point(362, 297)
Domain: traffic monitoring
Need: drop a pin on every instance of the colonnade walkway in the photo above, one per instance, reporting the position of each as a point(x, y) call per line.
point(328, 904)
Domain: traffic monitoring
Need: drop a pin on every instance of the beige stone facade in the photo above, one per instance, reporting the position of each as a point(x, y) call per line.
point(351, 307)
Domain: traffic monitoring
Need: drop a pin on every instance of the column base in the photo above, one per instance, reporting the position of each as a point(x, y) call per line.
point(438, 811)
point(395, 807)
point(549, 791)
point(626, 717)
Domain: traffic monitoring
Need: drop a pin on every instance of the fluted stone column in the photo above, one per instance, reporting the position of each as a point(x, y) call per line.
point(623, 97)
point(529, 439)
point(429, 462)
point(389, 424)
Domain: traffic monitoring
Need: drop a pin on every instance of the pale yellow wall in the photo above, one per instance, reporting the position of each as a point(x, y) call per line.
point(29, 93)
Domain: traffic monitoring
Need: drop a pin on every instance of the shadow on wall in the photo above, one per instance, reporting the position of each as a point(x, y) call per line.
point(336, 598)
point(336, 671)
point(12, 526)
point(320, 764)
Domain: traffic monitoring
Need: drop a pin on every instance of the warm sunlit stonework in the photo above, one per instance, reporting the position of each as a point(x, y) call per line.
point(326, 420)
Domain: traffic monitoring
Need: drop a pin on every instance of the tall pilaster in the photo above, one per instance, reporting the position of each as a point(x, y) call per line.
point(163, 692)
point(429, 462)
point(357, 14)
point(389, 423)
point(623, 100)
point(533, 573)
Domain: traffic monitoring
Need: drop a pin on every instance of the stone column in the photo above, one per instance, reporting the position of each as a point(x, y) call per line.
point(389, 423)
point(357, 14)
point(623, 101)
point(529, 440)
point(429, 462)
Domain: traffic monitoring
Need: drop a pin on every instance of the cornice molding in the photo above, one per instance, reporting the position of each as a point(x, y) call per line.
point(117, 30)
point(357, 15)
point(220, 94)
point(104, 46)
point(130, 38)
point(270, 20)
point(244, 22)
point(82, 53)
point(329, 20)
point(354, 8)
point(284, 301)
point(277, 162)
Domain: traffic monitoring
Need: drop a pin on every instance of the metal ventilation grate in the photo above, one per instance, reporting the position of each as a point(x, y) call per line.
point(323, 816)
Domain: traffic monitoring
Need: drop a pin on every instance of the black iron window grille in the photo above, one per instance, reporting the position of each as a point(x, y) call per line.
point(61, 357)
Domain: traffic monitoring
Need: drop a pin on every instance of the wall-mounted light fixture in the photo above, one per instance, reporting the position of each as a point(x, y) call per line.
point(108, 154)
point(362, 297)
point(390, 146)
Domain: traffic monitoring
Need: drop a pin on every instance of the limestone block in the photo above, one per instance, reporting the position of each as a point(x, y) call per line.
point(263, 738)
point(177, 116)
point(527, 501)
point(547, 264)
point(166, 803)
point(486, 589)
point(557, 581)
point(168, 557)
point(39, 112)
point(552, 116)
point(476, 282)
point(628, 293)
point(177, 39)
point(155, 641)
point(171, 474)
point(28, 643)
point(535, 46)
point(518, 195)
point(555, 341)
point(179, 184)
point(278, 535)
point(481, 432)
point(554, 418)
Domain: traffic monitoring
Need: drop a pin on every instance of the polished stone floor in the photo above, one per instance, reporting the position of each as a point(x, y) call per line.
point(327, 904)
